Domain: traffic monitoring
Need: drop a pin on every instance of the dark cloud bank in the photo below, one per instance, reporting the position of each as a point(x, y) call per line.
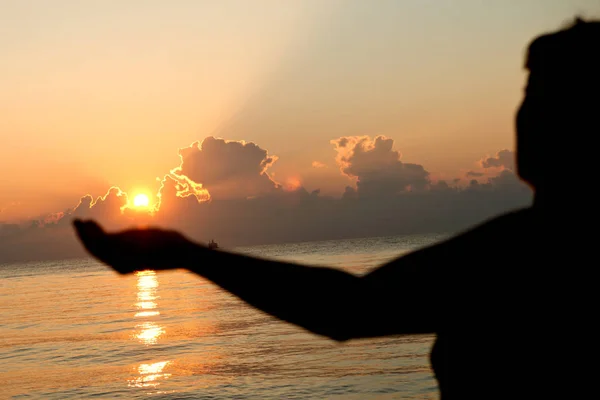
point(223, 190)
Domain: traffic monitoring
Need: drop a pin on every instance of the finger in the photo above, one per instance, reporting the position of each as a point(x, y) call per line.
point(88, 229)
point(88, 225)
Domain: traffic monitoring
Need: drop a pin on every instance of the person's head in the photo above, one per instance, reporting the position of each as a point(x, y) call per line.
point(560, 112)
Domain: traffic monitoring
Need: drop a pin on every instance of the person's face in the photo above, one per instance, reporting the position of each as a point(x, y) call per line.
point(527, 116)
point(540, 121)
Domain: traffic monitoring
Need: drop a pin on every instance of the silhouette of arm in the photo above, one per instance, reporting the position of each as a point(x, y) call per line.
point(396, 298)
point(393, 299)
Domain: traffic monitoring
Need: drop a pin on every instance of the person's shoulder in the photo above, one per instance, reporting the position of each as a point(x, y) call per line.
point(508, 220)
point(479, 240)
point(490, 231)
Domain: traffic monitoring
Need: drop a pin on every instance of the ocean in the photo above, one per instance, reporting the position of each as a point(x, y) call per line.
point(75, 329)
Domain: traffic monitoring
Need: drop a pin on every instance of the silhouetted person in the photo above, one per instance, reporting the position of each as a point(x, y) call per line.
point(512, 301)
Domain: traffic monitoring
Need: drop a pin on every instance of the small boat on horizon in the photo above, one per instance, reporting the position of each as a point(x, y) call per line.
point(212, 245)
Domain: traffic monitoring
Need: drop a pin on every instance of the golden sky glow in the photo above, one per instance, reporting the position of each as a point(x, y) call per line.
point(103, 93)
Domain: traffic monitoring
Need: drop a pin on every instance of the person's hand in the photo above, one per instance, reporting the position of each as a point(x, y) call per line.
point(135, 249)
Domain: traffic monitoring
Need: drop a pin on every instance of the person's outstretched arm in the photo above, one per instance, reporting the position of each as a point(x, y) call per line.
point(396, 298)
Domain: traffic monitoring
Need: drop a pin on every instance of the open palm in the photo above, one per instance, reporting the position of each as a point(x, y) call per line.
point(135, 249)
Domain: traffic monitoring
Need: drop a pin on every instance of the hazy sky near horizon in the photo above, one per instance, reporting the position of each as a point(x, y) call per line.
point(101, 93)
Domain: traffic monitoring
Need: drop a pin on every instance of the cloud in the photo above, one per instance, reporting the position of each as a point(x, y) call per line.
point(108, 208)
point(506, 178)
point(221, 190)
point(499, 170)
point(179, 200)
point(474, 174)
point(441, 185)
point(181, 186)
point(377, 167)
point(228, 169)
point(317, 164)
point(502, 159)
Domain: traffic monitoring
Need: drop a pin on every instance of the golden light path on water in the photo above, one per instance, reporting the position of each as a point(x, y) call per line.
point(73, 329)
point(148, 331)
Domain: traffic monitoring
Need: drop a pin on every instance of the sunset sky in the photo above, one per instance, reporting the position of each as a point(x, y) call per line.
point(95, 94)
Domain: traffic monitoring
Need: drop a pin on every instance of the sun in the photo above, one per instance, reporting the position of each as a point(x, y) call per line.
point(141, 200)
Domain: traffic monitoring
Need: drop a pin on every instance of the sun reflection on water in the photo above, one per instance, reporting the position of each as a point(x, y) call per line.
point(144, 305)
point(147, 313)
point(147, 285)
point(148, 331)
point(149, 375)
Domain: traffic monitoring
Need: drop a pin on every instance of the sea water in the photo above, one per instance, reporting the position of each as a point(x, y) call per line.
point(75, 329)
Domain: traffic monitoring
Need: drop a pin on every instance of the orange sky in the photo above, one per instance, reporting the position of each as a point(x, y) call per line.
point(102, 93)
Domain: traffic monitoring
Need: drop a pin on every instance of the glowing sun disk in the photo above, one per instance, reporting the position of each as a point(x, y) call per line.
point(141, 200)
